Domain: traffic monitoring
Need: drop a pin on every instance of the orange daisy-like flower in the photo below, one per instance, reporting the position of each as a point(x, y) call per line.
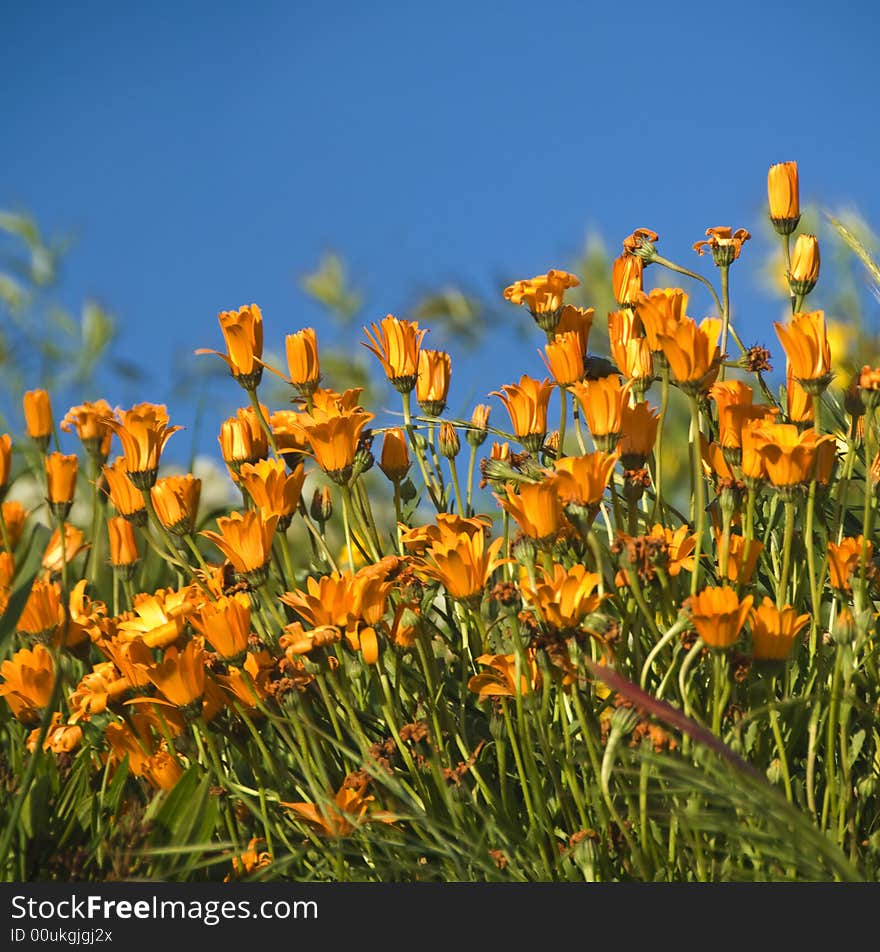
point(123, 545)
point(15, 516)
point(660, 312)
point(126, 498)
point(564, 358)
point(462, 563)
point(603, 402)
point(536, 508)
point(334, 440)
point(742, 556)
point(143, 431)
point(243, 333)
point(303, 363)
point(5, 462)
point(56, 554)
point(501, 679)
point(180, 675)
point(395, 461)
point(563, 598)
point(225, 624)
point(28, 682)
point(526, 404)
point(798, 403)
point(542, 295)
point(61, 737)
point(844, 559)
point(38, 416)
point(577, 320)
point(629, 347)
point(158, 618)
point(275, 492)
point(176, 501)
point(718, 615)
point(447, 525)
point(724, 243)
point(626, 279)
point(90, 422)
point(245, 538)
point(806, 345)
point(396, 344)
point(61, 471)
point(582, 480)
point(783, 195)
point(680, 547)
point(692, 353)
point(789, 454)
point(43, 612)
point(638, 434)
point(340, 816)
point(774, 630)
point(804, 271)
point(432, 383)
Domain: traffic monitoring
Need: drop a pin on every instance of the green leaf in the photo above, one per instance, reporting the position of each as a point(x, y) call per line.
point(26, 576)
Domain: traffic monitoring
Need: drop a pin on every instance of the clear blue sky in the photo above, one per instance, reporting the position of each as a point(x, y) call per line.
point(205, 154)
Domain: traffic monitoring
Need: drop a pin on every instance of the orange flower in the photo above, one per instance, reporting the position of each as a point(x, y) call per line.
point(564, 358)
point(718, 615)
point(462, 563)
point(339, 817)
point(90, 422)
point(680, 546)
point(774, 630)
point(302, 360)
point(43, 612)
point(447, 526)
point(28, 682)
point(798, 403)
point(844, 559)
point(432, 385)
point(395, 462)
point(396, 343)
point(582, 480)
point(127, 500)
point(289, 438)
point(5, 462)
point(158, 618)
point(563, 598)
point(243, 333)
point(225, 624)
point(542, 295)
point(248, 684)
point(629, 348)
point(180, 675)
point(123, 545)
point(143, 431)
point(790, 455)
point(176, 501)
point(526, 403)
point(784, 196)
point(248, 862)
point(334, 441)
point(603, 402)
point(578, 320)
point(245, 538)
point(537, 509)
point(692, 353)
point(733, 398)
point(273, 490)
point(243, 440)
point(55, 554)
point(61, 737)
point(38, 416)
point(61, 473)
point(804, 265)
point(501, 680)
point(15, 516)
point(753, 465)
point(626, 279)
point(806, 345)
point(724, 243)
point(162, 770)
point(660, 312)
point(638, 434)
point(740, 568)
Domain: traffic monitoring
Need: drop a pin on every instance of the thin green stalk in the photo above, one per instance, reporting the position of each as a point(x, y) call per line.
point(787, 541)
point(725, 315)
point(699, 492)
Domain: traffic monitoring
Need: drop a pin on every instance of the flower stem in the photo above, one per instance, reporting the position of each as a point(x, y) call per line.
point(699, 492)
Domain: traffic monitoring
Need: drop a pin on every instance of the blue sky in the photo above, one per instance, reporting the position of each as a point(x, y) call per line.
point(204, 155)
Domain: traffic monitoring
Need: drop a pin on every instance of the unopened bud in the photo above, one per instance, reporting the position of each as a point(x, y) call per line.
point(450, 445)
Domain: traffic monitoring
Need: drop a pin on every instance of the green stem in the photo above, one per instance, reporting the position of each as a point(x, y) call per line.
point(787, 540)
point(563, 415)
point(699, 492)
point(725, 315)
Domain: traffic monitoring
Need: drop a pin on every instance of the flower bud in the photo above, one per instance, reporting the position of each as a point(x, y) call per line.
point(449, 443)
point(783, 196)
point(321, 508)
point(38, 417)
point(395, 461)
point(804, 265)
